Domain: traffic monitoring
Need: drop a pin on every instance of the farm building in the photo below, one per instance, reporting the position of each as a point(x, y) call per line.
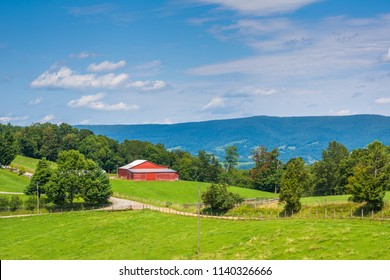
point(143, 170)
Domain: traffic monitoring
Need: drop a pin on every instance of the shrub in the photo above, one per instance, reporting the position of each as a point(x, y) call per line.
point(219, 198)
point(4, 203)
point(15, 203)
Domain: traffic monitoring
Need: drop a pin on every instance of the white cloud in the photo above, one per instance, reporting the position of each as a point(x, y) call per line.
point(147, 85)
point(82, 55)
point(263, 7)
point(7, 119)
point(65, 78)
point(260, 91)
point(216, 102)
point(93, 102)
point(304, 50)
point(383, 100)
point(11, 119)
point(47, 118)
point(106, 66)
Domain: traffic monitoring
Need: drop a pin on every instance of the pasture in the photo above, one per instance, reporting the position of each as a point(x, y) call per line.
point(177, 192)
point(12, 182)
point(29, 164)
point(139, 235)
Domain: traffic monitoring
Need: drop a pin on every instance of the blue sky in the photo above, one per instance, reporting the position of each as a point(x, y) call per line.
point(138, 62)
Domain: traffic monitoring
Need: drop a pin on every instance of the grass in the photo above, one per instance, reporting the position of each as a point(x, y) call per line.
point(152, 235)
point(177, 192)
point(29, 164)
point(12, 182)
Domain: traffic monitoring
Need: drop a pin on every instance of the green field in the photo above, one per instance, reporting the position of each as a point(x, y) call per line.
point(29, 164)
point(177, 192)
point(12, 182)
point(153, 235)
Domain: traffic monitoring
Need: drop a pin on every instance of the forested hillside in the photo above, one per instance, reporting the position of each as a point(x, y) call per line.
point(304, 137)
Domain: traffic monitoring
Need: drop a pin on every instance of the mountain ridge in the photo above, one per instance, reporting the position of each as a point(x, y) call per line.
point(294, 136)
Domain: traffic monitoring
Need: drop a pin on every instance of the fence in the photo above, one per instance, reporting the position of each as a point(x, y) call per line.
point(274, 215)
point(324, 212)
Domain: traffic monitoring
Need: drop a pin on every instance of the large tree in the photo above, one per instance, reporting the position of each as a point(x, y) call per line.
point(331, 173)
point(7, 148)
point(371, 177)
point(295, 180)
point(78, 177)
point(267, 172)
point(42, 177)
point(231, 158)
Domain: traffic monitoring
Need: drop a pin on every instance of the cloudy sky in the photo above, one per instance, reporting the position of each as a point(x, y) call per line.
point(137, 62)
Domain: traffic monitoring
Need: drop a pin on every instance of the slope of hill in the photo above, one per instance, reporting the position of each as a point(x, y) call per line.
point(294, 136)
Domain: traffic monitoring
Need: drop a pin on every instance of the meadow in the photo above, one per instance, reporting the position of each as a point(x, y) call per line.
point(12, 182)
point(27, 163)
point(177, 192)
point(152, 235)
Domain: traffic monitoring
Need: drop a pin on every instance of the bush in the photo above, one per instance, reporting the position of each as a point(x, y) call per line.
point(15, 203)
point(31, 203)
point(4, 203)
point(219, 198)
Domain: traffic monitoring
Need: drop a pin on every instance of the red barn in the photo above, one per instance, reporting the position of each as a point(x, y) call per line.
point(143, 170)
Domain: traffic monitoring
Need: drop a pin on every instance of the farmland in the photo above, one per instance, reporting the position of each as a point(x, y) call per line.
point(12, 182)
point(152, 235)
point(177, 192)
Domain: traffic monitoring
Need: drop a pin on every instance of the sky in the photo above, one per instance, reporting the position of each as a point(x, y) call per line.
point(164, 62)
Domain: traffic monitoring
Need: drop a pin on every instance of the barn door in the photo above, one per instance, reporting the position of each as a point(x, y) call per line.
point(150, 176)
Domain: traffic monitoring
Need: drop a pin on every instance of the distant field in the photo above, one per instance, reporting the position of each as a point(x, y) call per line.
point(30, 164)
point(151, 235)
point(177, 192)
point(321, 200)
point(12, 182)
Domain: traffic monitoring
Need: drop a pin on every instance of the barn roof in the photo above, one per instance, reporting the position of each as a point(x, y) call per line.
point(152, 170)
point(133, 164)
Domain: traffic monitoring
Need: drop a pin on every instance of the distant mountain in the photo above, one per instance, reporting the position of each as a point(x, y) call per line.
point(294, 136)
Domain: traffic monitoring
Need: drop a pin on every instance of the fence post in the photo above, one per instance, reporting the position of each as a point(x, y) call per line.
point(362, 213)
point(372, 214)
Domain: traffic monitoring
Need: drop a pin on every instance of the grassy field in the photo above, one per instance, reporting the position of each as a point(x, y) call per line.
point(178, 192)
point(153, 235)
point(12, 182)
point(29, 164)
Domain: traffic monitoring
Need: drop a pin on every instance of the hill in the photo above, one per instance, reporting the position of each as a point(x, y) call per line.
point(294, 136)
